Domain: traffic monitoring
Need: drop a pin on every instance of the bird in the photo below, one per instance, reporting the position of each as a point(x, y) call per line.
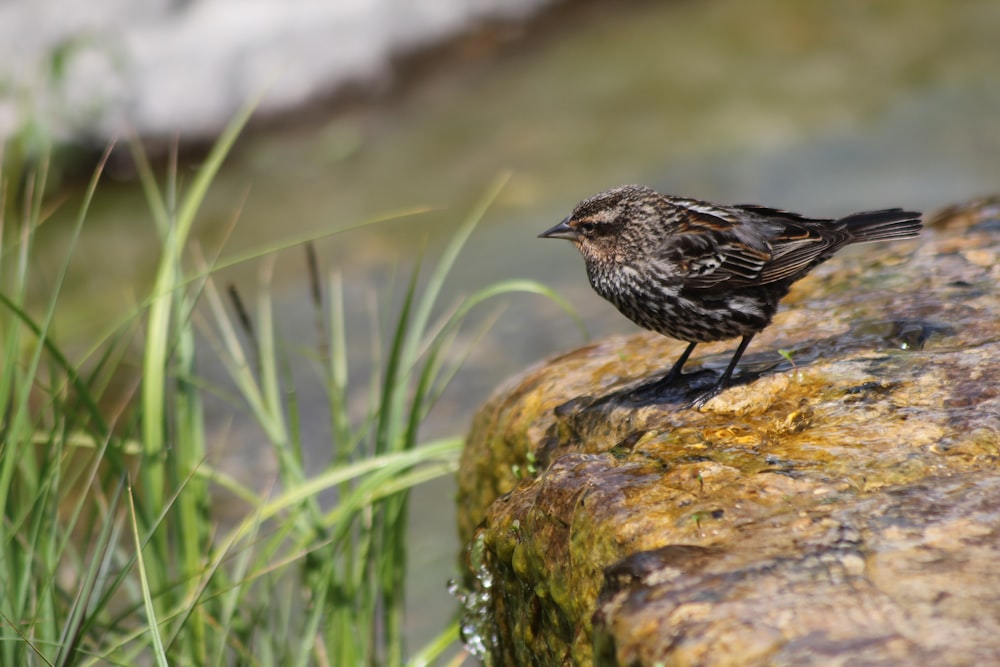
point(700, 272)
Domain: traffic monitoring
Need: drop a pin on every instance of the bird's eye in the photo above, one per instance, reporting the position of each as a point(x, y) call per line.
point(587, 228)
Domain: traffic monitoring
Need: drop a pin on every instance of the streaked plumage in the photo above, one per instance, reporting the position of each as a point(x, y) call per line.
point(699, 272)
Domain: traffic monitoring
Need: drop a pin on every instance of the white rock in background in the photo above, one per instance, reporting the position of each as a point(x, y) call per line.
point(99, 68)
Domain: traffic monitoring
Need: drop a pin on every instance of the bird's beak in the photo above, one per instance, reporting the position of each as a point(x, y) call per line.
point(561, 231)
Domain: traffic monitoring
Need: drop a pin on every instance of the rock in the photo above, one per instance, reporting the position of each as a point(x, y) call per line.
point(841, 505)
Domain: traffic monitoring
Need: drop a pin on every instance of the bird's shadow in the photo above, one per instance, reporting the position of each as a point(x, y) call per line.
point(693, 389)
point(687, 391)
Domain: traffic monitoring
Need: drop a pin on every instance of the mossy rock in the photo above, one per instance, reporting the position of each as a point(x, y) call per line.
point(839, 504)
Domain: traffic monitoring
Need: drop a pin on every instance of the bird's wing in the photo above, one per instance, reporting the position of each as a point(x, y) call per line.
point(708, 250)
point(715, 248)
point(797, 243)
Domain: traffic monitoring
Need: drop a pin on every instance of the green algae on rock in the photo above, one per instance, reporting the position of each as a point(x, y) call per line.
point(842, 502)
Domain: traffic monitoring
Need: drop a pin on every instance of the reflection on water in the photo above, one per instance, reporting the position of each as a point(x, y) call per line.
point(823, 108)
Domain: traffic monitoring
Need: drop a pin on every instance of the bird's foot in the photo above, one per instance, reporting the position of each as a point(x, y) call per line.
point(671, 388)
point(668, 381)
point(705, 395)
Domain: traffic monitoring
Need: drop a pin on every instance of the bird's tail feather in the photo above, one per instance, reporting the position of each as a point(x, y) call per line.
point(891, 223)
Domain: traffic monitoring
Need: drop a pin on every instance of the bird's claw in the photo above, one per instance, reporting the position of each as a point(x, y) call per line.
point(704, 397)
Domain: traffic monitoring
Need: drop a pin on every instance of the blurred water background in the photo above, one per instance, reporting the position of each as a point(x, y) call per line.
point(822, 108)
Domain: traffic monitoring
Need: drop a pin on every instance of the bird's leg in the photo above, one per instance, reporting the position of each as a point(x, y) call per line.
point(654, 388)
point(717, 388)
point(675, 372)
point(732, 364)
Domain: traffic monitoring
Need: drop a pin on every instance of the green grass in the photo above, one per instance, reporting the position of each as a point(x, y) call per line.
point(109, 553)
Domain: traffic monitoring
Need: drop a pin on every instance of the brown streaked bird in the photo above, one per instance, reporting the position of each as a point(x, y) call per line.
point(700, 272)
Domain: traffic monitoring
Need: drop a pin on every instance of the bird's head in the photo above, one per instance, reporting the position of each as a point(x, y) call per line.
point(608, 228)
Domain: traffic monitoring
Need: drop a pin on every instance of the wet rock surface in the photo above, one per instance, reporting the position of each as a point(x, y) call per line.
point(839, 505)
